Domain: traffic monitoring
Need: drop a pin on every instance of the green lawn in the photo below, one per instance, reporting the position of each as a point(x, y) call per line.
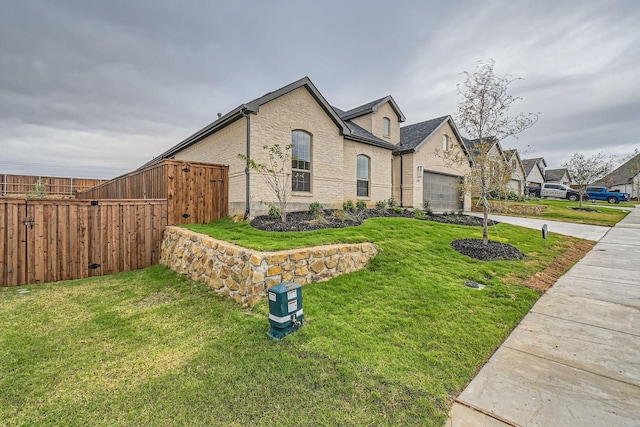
point(558, 210)
point(389, 345)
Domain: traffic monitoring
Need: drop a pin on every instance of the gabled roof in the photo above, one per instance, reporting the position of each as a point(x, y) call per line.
point(539, 159)
point(473, 145)
point(510, 154)
point(413, 136)
point(556, 174)
point(624, 174)
point(371, 107)
point(529, 164)
point(252, 107)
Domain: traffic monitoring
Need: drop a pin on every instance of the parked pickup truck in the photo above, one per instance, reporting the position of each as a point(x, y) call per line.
point(559, 191)
point(603, 193)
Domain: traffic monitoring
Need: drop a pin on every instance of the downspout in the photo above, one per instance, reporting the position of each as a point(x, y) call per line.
point(401, 181)
point(247, 211)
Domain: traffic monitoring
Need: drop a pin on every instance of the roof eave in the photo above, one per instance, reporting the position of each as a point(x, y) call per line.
point(380, 144)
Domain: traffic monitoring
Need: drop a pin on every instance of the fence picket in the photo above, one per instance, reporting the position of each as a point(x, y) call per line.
point(69, 236)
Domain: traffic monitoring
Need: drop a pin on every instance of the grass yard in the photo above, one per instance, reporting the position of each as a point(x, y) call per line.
point(389, 345)
point(557, 210)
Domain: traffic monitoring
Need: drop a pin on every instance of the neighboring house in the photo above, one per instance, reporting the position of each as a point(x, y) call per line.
point(626, 178)
point(557, 176)
point(337, 155)
point(518, 175)
point(422, 170)
point(534, 171)
point(499, 161)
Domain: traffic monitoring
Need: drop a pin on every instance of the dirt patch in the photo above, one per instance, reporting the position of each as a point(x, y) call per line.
point(306, 221)
point(493, 251)
point(543, 280)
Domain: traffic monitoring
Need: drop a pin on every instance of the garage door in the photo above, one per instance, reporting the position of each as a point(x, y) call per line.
point(442, 192)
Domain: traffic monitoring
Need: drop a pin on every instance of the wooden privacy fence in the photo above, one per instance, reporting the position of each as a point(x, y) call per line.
point(55, 186)
point(195, 192)
point(51, 240)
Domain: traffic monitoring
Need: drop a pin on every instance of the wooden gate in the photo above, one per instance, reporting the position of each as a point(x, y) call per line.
point(52, 240)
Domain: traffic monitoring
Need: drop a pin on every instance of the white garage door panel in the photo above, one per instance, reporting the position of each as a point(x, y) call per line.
point(442, 192)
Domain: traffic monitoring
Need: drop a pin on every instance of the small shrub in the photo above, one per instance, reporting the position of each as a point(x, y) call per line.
point(391, 202)
point(274, 212)
point(38, 190)
point(397, 209)
point(419, 214)
point(343, 216)
point(381, 204)
point(348, 206)
point(361, 205)
point(426, 206)
point(315, 208)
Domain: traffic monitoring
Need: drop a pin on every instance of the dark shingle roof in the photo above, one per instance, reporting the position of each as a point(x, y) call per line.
point(362, 135)
point(362, 109)
point(473, 143)
point(539, 159)
point(411, 136)
point(528, 165)
point(555, 174)
point(357, 133)
point(369, 108)
point(624, 173)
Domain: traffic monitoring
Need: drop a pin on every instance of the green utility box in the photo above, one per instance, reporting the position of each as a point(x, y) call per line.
point(285, 309)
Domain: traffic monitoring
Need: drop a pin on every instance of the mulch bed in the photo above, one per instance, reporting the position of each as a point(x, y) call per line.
point(306, 221)
point(584, 209)
point(329, 218)
point(494, 251)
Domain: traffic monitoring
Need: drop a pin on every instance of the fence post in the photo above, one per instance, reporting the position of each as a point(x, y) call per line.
point(4, 185)
point(71, 187)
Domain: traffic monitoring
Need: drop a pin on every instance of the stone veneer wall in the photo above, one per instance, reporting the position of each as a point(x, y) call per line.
point(496, 207)
point(245, 275)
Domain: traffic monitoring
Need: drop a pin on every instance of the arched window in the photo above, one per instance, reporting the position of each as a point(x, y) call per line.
point(363, 176)
point(386, 126)
point(301, 161)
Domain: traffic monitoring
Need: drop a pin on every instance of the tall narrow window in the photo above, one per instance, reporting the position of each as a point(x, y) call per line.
point(301, 161)
point(363, 176)
point(446, 143)
point(386, 126)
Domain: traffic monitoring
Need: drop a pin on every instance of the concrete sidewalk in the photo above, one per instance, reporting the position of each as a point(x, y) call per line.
point(582, 231)
point(574, 360)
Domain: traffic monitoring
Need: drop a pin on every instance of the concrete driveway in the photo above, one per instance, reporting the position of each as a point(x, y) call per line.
point(574, 360)
point(582, 231)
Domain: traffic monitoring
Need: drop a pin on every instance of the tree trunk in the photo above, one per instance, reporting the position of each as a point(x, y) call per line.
point(485, 221)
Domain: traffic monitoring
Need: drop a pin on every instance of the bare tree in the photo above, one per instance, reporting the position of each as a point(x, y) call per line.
point(275, 174)
point(587, 170)
point(483, 112)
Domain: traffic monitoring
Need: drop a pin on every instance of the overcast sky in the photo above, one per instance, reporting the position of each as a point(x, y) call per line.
point(97, 88)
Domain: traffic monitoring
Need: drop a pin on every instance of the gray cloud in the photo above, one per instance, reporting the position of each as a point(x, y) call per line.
point(98, 88)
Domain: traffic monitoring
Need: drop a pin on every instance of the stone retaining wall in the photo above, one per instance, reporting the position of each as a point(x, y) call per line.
point(245, 275)
point(496, 207)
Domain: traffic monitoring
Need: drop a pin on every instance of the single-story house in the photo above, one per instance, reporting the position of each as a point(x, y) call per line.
point(625, 178)
point(534, 171)
point(337, 155)
point(557, 176)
